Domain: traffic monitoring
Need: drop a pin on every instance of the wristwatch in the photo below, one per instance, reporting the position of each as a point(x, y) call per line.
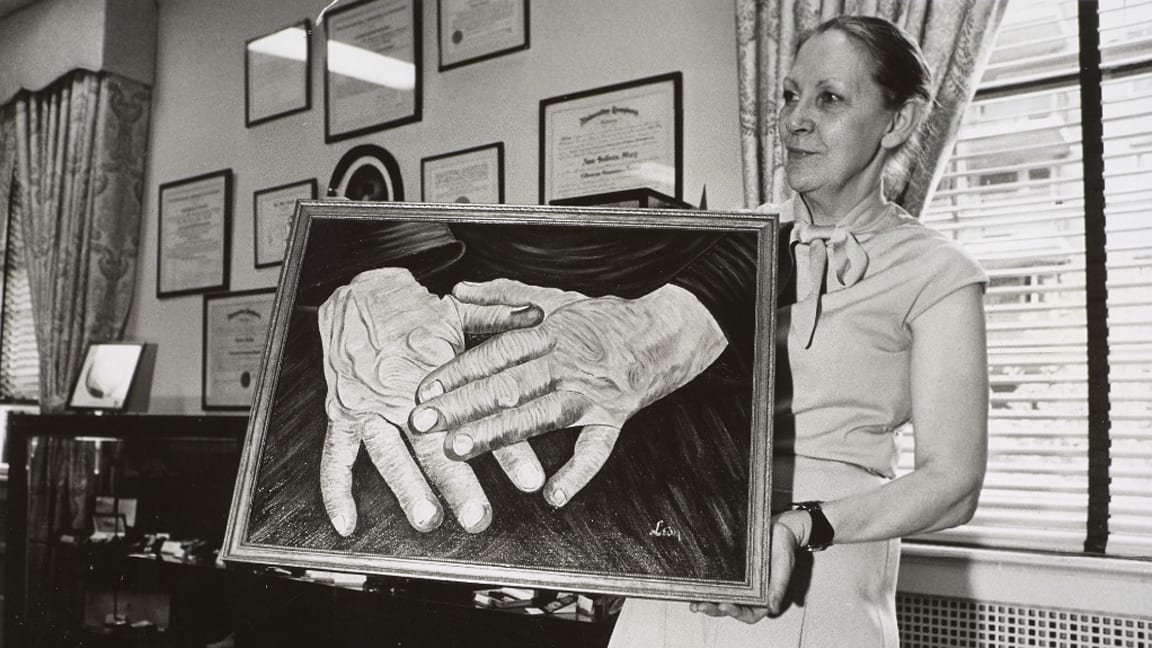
point(821, 533)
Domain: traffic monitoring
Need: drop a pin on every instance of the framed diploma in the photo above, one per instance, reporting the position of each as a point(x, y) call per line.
point(194, 232)
point(235, 327)
point(619, 137)
point(372, 77)
point(277, 74)
point(272, 211)
point(474, 175)
point(475, 30)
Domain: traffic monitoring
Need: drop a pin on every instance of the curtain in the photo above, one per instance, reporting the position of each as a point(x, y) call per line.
point(81, 147)
point(80, 150)
point(955, 35)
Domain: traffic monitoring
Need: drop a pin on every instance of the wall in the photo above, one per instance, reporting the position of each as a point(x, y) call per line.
point(43, 41)
point(198, 123)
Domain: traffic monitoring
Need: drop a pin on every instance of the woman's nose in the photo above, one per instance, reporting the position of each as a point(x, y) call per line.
point(796, 118)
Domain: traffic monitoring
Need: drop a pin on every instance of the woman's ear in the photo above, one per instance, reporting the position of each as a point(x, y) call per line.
point(904, 123)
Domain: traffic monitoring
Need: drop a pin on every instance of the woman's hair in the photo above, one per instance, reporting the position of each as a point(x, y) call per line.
point(898, 64)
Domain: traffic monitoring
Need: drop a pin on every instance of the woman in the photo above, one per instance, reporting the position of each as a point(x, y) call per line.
point(888, 327)
point(897, 333)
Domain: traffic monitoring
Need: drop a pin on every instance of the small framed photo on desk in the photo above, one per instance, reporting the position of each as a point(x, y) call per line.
point(106, 376)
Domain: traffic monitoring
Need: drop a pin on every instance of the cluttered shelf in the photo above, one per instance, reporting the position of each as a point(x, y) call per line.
point(131, 558)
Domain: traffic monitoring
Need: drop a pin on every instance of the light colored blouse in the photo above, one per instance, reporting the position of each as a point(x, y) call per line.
point(849, 346)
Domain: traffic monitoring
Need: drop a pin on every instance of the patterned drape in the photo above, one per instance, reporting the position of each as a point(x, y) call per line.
point(956, 36)
point(81, 147)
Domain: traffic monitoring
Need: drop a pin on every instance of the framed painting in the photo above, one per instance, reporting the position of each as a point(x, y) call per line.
point(106, 376)
point(418, 332)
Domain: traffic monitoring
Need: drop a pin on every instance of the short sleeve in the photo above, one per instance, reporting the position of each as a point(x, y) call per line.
point(947, 268)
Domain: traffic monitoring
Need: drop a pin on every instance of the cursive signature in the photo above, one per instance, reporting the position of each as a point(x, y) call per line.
point(662, 530)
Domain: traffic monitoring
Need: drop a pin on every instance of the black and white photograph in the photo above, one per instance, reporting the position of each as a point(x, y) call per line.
point(577, 324)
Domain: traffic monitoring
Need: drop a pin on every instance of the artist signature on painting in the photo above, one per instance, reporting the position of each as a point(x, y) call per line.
point(662, 530)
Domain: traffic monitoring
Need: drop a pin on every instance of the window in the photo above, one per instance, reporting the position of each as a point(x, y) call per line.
point(19, 357)
point(1069, 304)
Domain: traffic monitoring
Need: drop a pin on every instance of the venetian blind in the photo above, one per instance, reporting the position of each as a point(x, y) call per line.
point(1013, 195)
point(1126, 58)
point(19, 357)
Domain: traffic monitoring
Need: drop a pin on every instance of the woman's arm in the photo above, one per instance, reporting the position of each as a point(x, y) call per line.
point(950, 415)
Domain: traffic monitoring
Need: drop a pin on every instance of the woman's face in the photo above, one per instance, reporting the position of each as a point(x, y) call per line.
point(833, 120)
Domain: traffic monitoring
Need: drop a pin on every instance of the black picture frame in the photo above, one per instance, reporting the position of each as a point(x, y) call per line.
point(668, 475)
point(493, 43)
point(272, 210)
point(278, 74)
point(478, 171)
point(232, 387)
point(366, 91)
point(634, 118)
point(106, 379)
point(194, 234)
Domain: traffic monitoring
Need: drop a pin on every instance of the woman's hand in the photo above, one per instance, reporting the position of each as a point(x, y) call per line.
point(590, 362)
point(789, 532)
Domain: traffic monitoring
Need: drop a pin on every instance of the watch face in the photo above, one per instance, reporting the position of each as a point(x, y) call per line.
point(367, 172)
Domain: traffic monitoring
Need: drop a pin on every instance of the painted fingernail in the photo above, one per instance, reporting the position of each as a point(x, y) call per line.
point(424, 515)
point(342, 524)
point(529, 478)
point(556, 497)
point(472, 515)
point(462, 444)
point(425, 419)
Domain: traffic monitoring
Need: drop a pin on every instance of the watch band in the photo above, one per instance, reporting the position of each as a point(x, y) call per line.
point(821, 534)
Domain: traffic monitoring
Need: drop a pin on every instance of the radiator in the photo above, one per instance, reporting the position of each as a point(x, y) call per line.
point(938, 621)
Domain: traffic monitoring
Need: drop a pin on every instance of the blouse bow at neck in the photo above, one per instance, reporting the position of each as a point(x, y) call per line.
point(834, 253)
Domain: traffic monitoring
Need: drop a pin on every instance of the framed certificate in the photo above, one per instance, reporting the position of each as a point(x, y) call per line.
point(235, 327)
point(619, 137)
point(272, 218)
point(194, 232)
point(476, 30)
point(277, 74)
point(474, 175)
point(372, 73)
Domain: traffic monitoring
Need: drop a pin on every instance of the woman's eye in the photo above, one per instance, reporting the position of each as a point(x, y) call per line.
point(789, 96)
point(830, 97)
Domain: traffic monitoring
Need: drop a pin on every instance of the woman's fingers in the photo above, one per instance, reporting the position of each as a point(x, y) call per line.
point(593, 447)
point(745, 613)
point(390, 455)
point(341, 444)
point(781, 563)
